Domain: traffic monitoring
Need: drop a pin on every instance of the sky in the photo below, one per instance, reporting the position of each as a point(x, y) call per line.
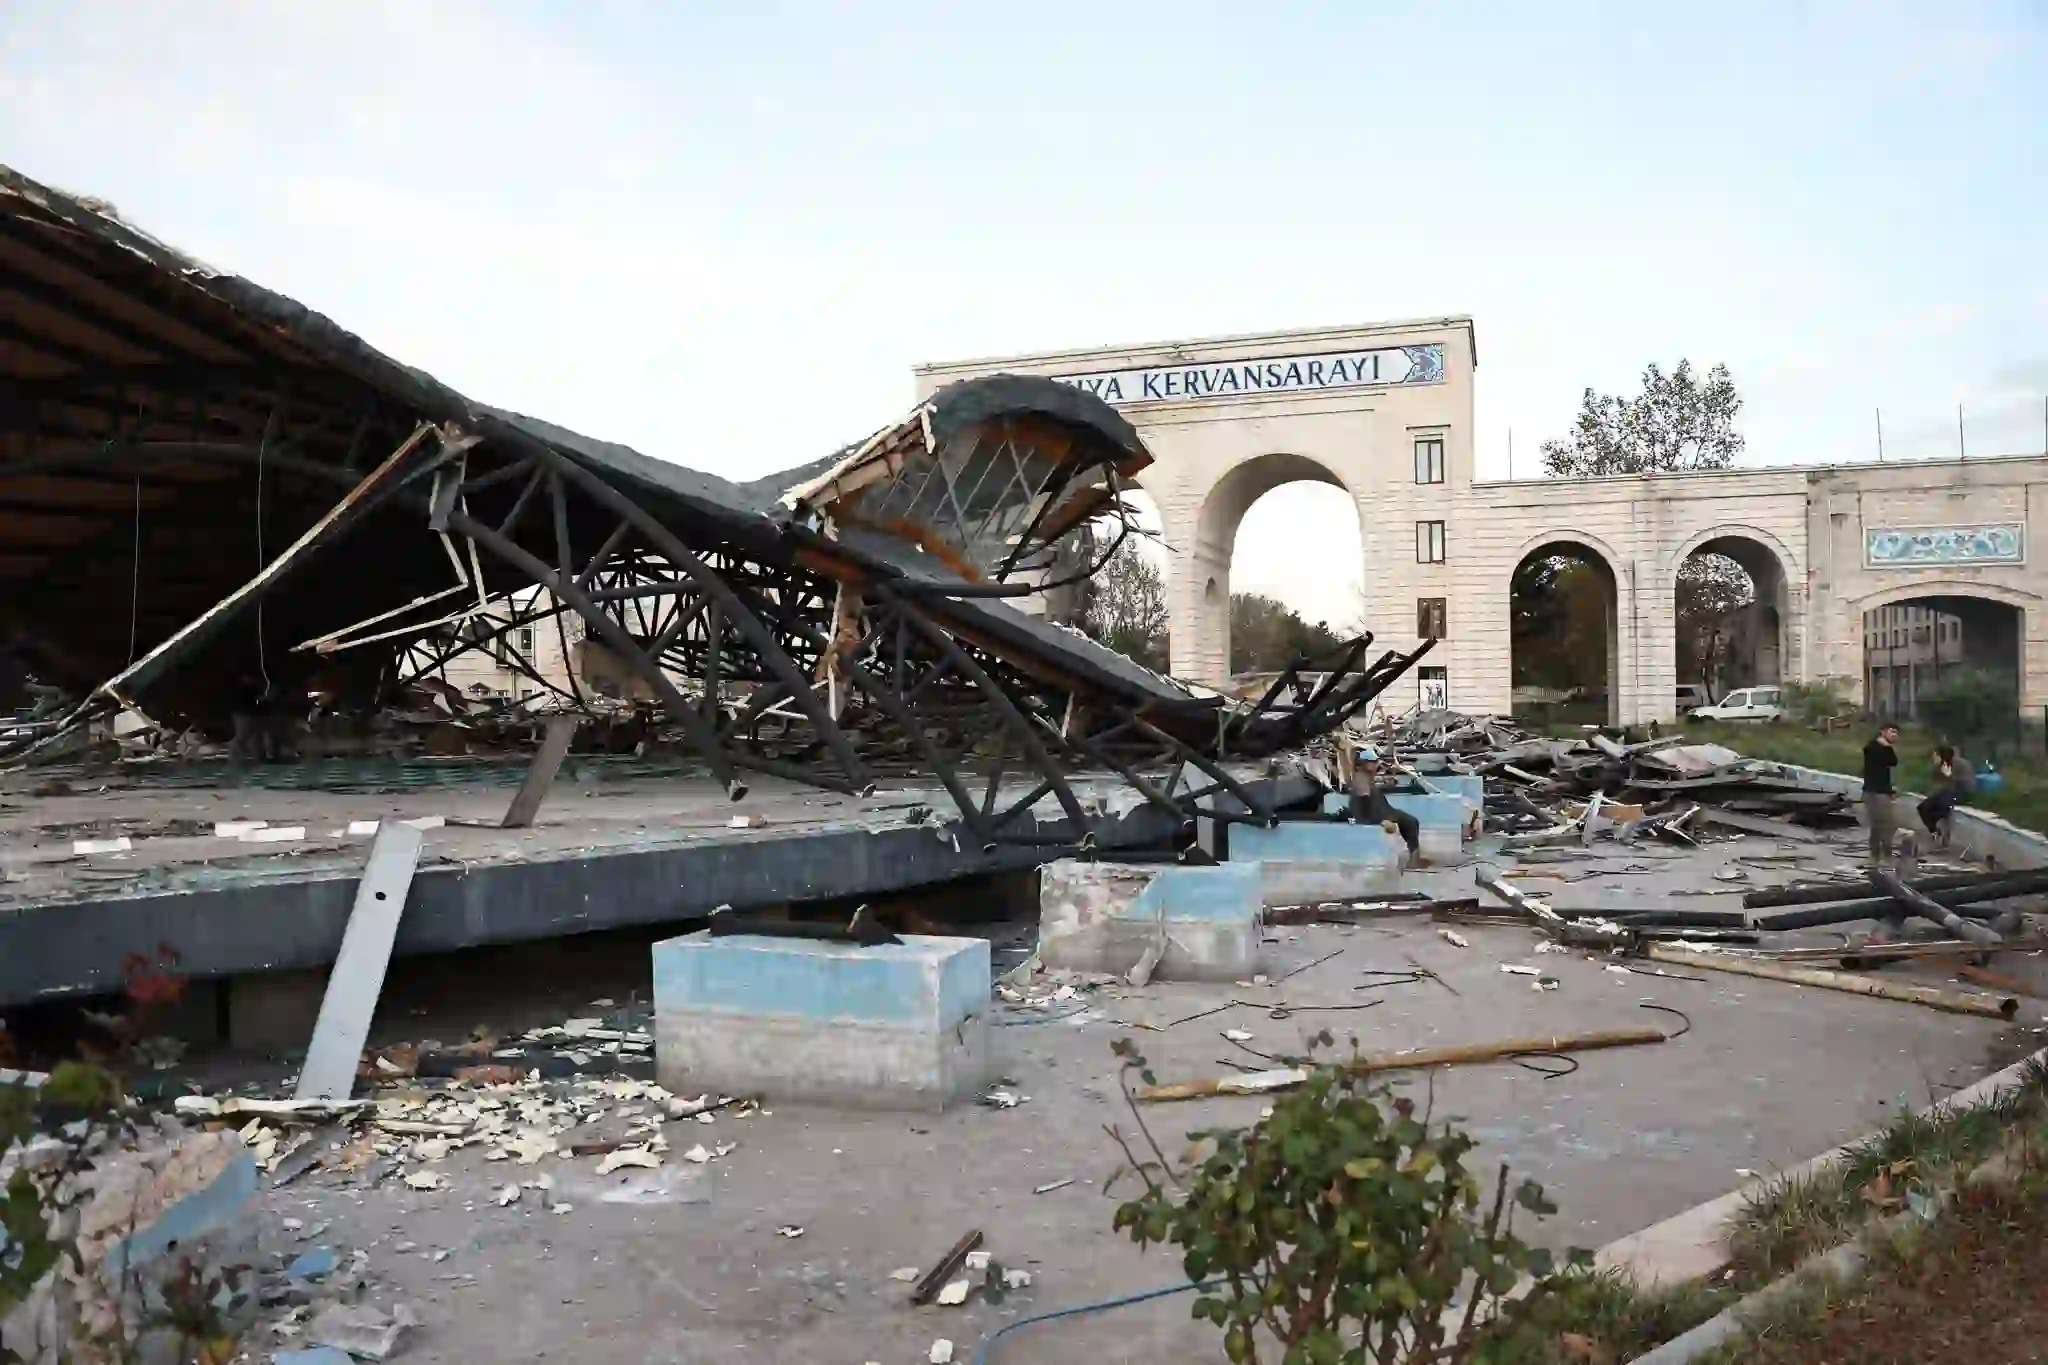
point(723, 234)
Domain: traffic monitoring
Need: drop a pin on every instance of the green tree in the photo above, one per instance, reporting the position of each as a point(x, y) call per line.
point(1558, 610)
point(1126, 607)
point(1677, 422)
point(1711, 589)
point(1266, 635)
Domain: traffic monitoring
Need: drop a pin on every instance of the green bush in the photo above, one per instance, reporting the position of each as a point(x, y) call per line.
point(1974, 708)
point(1336, 1231)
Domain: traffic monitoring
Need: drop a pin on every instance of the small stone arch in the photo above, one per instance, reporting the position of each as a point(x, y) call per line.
point(1620, 628)
point(1203, 544)
point(1768, 634)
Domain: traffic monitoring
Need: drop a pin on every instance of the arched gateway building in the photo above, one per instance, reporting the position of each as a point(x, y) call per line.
point(1880, 575)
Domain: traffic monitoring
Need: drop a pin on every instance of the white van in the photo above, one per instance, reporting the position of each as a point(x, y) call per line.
point(1744, 703)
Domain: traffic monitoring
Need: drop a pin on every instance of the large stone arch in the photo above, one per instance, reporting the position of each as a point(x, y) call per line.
point(2031, 646)
point(1199, 588)
point(1621, 625)
point(1779, 577)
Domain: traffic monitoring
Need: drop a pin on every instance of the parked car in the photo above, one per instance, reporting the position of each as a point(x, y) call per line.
point(1744, 703)
point(1692, 696)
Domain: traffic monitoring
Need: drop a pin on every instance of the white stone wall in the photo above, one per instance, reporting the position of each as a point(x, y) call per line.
point(1215, 456)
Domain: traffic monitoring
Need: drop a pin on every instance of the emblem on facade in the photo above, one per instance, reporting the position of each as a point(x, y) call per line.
point(1912, 546)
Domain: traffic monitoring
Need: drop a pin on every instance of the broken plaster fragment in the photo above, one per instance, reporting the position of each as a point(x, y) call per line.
point(426, 1180)
point(1453, 937)
point(906, 1274)
point(506, 1194)
point(953, 1294)
point(1237, 1035)
point(790, 1231)
point(977, 1260)
point(1016, 1279)
point(628, 1156)
point(941, 1352)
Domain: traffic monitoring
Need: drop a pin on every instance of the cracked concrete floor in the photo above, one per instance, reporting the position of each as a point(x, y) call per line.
point(1768, 1075)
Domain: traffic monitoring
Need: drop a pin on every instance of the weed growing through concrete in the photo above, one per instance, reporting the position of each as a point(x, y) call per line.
point(1794, 1216)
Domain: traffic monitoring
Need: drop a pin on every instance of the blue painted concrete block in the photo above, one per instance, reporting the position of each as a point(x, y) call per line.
point(887, 1026)
point(1303, 862)
point(1105, 917)
point(1431, 810)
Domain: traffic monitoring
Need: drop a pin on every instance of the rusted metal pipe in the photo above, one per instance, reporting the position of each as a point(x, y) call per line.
point(1934, 997)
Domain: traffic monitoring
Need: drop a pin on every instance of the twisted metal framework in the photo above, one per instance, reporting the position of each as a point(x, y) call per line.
point(165, 428)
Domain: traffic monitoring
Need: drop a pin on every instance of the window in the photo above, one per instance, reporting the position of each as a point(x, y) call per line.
point(1429, 459)
point(1430, 616)
point(1429, 542)
point(1433, 687)
point(526, 641)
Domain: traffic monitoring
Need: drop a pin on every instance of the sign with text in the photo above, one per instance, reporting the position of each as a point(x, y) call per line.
point(1212, 380)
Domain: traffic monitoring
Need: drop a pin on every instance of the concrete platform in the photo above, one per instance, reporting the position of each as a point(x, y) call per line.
point(1106, 917)
point(1303, 861)
point(1769, 1075)
point(890, 1026)
point(604, 853)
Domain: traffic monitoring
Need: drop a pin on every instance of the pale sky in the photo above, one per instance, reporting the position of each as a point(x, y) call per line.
point(723, 234)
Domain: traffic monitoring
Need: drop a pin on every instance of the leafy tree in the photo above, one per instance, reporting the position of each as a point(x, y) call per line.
point(1266, 634)
point(1972, 708)
point(1676, 422)
point(1126, 607)
point(1711, 589)
point(1558, 622)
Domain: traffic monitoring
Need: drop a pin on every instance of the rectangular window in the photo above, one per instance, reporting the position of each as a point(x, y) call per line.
point(1433, 686)
point(1429, 542)
point(1431, 614)
point(526, 641)
point(1429, 459)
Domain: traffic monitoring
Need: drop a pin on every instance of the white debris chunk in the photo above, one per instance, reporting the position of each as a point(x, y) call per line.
point(905, 1275)
point(426, 1180)
point(954, 1294)
point(1453, 937)
point(506, 1194)
point(789, 1230)
point(977, 1260)
point(1237, 1035)
point(1016, 1279)
point(628, 1156)
point(941, 1352)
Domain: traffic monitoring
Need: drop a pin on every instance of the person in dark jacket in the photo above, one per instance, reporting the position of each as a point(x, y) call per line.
point(1953, 779)
point(1880, 808)
point(1369, 804)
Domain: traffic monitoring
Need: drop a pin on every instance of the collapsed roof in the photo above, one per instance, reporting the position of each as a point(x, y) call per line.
point(209, 492)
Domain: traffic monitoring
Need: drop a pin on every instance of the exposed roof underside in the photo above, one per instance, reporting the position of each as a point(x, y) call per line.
point(167, 431)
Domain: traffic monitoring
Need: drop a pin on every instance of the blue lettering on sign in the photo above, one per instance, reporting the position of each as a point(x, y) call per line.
point(1149, 381)
point(1226, 382)
point(1113, 392)
point(1315, 373)
point(1293, 379)
point(1420, 365)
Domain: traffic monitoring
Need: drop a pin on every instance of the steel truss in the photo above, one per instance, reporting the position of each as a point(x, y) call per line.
point(773, 660)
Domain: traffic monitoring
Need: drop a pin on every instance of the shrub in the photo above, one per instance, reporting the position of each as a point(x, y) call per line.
point(1336, 1231)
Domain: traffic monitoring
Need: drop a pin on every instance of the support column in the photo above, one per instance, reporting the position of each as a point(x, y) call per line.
point(1199, 608)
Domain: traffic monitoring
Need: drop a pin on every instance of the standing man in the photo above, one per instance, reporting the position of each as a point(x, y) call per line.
point(1880, 812)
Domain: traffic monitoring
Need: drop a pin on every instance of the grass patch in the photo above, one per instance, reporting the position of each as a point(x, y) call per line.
point(1595, 1315)
point(1793, 1217)
point(2023, 799)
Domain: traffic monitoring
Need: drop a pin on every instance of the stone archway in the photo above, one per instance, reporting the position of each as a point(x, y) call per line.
point(1602, 699)
point(1198, 591)
point(1995, 627)
point(1763, 640)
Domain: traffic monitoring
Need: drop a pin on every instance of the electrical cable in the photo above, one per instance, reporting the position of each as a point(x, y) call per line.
point(1667, 1009)
point(981, 1352)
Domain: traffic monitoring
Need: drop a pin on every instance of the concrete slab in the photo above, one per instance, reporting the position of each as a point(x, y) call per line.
point(889, 1026)
point(1106, 917)
point(1302, 862)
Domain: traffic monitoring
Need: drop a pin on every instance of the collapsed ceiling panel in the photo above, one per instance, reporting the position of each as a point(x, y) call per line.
point(214, 500)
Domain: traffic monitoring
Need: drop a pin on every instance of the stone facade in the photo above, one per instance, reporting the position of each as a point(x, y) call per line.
point(1222, 435)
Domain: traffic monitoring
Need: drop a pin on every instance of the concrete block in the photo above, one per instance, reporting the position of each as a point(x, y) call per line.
point(1103, 917)
point(274, 1012)
point(1302, 862)
point(1443, 822)
point(893, 1026)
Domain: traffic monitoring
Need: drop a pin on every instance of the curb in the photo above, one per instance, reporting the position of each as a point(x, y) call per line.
point(1688, 1245)
point(1842, 1264)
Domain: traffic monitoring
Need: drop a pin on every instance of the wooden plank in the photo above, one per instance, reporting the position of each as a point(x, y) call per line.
point(540, 774)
